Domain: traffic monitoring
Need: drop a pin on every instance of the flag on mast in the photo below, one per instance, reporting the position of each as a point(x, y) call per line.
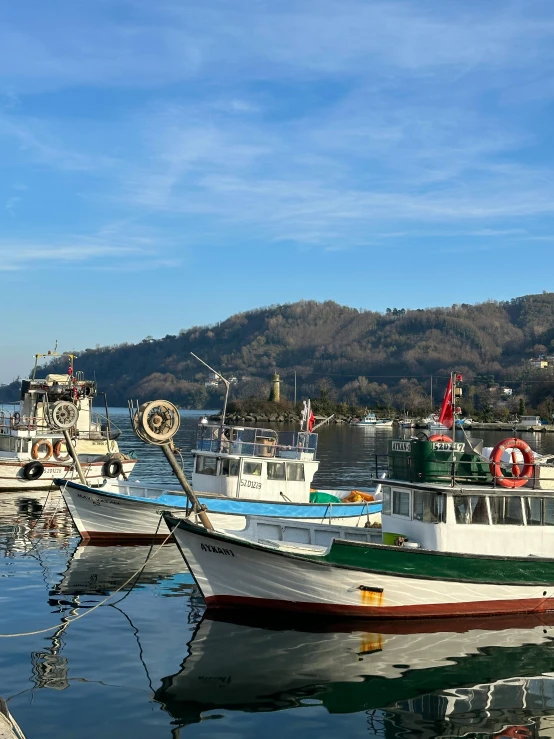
point(311, 420)
point(446, 416)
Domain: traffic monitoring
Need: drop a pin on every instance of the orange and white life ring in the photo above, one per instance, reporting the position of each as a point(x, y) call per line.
point(520, 476)
point(440, 437)
point(38, 451)
point(58, 451)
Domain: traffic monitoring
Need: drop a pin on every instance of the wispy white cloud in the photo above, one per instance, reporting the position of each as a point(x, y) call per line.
point(43, 147)
point(161, 43)
point(323, 122)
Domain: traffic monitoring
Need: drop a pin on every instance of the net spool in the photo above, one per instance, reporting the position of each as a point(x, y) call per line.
point(157, 422)
point(63, 414)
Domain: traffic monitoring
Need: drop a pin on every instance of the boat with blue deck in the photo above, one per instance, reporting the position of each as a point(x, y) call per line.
point(238, 471)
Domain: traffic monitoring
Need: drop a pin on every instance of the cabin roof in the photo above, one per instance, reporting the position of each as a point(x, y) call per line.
point(436, 487)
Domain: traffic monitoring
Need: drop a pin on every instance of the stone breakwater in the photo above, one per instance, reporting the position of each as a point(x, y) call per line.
point(234, 418)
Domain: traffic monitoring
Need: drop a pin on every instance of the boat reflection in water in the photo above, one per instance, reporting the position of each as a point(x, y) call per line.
point(101, 569)
point(406, 678)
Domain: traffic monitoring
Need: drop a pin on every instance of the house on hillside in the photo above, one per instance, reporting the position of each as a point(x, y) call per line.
point(538, 363)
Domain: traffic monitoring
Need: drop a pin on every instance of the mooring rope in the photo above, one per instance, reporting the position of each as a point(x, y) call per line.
point(101, 603)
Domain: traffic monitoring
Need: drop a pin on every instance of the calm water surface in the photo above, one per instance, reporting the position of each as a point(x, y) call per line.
point(150, 663)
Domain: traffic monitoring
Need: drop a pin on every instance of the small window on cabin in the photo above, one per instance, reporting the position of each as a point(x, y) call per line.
point(295, 472)
point(533, 511)
point(401, 503)
point(471, 509)
point(252, 468)
point(386, 500)
point(230, 467)
point(275, 470)
point(206, 465)
point(506, 510)
point(548, 511)
point(429, 507)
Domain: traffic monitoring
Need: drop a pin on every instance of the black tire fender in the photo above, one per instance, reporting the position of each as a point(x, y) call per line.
point(112, 468)
point(33, 470)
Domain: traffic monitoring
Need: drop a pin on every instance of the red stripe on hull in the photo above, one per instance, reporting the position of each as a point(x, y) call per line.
point(451, 610)
point(109, 537)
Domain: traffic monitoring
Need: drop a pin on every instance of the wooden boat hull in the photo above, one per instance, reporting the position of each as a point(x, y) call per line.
point(99, 514)
point(360, 580)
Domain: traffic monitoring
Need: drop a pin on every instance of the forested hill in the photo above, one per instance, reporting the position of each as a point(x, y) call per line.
point(357, 356)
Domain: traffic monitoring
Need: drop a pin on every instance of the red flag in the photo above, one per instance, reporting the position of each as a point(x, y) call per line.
point(311, 421)
point(446, 416)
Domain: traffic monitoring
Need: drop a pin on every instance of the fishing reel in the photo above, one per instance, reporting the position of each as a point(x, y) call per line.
point(63, 414)
point(155, 422)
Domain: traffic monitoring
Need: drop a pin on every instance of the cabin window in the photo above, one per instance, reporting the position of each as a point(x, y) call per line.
point(386, 500)
point(252, 468)
point(506, 510)
point(401, 502)
point(548, 512)
point(295, 472)
point(533, 511)
point(230, 467)
point(275, 470)
point(206, 465)
point(471, 509)
point(429, 507)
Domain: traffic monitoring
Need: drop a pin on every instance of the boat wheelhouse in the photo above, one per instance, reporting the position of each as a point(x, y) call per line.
point(444, 496)
point(33, 451)
point(256, 463)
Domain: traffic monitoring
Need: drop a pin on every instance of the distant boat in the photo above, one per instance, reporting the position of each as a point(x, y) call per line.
point(370, 419)
point(407, 423)
point(33, 450)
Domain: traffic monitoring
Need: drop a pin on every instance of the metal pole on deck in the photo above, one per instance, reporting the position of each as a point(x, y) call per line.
point(73, 454)
point(191, 495)
point(63, 416)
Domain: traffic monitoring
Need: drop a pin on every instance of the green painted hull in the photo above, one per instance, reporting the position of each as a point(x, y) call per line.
point(442, 565)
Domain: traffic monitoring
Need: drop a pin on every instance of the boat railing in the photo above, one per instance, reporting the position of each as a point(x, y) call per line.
point(256, 442)
point(101, 428)
point(456, 471)
point(10, 422)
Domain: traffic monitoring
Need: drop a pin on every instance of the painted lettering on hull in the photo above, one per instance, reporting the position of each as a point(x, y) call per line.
point(216, 550)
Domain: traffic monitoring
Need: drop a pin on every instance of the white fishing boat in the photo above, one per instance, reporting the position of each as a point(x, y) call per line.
point(460, 537)
point(33, 449)
point(237, 471)
point(370, 419)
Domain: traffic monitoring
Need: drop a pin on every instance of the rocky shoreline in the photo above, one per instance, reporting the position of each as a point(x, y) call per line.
point(285, 417)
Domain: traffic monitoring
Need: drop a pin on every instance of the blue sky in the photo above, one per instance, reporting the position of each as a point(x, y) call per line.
point(165, 164)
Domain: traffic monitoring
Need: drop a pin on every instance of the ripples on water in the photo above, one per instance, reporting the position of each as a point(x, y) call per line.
point(150, 664)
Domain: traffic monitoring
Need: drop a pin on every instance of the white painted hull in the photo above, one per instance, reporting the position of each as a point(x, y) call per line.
point(100, 516)
point(11, 474)
point(238, 574)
